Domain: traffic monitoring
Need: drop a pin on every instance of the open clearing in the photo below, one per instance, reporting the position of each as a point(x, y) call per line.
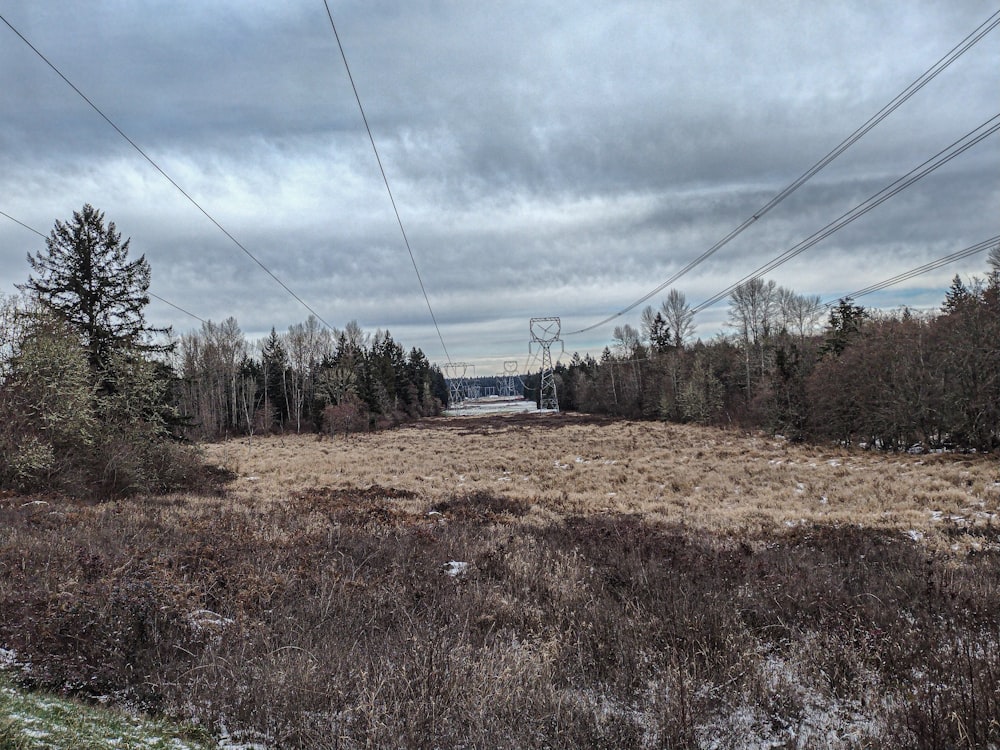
point(528, 581)
point(720, 481)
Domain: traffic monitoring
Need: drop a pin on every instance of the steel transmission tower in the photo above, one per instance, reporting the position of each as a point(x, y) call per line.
point(510, 377)
point(454, 373)
point(545, 332)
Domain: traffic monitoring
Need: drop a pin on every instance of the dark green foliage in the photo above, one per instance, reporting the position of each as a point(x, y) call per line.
point(437, 389)
point(660, 337)
point(85, 277)
point(846, 320)
point(956, 296)
point(306, 380)
point(271, 403)
point(784, 405)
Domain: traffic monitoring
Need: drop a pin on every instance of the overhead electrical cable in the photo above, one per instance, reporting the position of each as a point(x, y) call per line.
point(155, 296)
point(964, 143)
point(169, 179)
point(176, 307)
point(30, 229)
point(960, 49)
point(919, 270)
point(385, 179)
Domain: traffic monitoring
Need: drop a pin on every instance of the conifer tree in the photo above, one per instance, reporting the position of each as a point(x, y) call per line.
point(846, 320)
point(956, 295)
point(85, 277)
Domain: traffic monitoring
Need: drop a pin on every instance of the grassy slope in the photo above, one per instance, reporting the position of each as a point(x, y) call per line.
point(31, 720)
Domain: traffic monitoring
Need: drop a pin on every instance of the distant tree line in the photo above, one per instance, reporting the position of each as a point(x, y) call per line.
point(307, 379)
point(95, 401)
point(791, 366)
point(92, 399)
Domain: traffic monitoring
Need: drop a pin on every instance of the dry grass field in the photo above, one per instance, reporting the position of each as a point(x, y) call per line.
point(529, 581)
point(725, 482)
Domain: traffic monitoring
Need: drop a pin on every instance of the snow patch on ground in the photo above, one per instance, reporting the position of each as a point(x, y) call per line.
point(206, 619)
point(455, 568)
point(937, 515)
point(820, 720)
point(481, 407)
point(228, 741)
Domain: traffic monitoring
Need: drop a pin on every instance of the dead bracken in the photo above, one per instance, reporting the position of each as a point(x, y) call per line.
point(669, 587)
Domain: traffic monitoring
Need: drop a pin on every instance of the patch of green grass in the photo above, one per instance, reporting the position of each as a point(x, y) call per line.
point(30, 720)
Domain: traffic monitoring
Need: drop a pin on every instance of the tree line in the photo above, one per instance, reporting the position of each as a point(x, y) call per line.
point(307, 379)
point(94, 400)
point(792, 366)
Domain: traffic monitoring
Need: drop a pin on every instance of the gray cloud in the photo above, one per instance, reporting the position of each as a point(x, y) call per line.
point(545, 160)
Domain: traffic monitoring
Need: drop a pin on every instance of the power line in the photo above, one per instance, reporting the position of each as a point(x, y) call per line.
point(155, 296)
point(892, 281)
point(385, 179)
point(176, 307)
point(927, 267)
point(165, 175)
point(964, 143)
point(957, 51)
point(30, 229)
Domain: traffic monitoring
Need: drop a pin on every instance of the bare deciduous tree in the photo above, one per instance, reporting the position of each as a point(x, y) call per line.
point(627, 340)
point(753, 309)
point(307, 345)
point(800, 314)
point(678, 316)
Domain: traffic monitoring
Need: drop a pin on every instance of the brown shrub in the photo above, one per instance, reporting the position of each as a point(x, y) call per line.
point(323, 616)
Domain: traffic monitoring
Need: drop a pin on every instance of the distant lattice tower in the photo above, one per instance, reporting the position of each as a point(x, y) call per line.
point(545, 332)
point(454, 373)
point(510, 378)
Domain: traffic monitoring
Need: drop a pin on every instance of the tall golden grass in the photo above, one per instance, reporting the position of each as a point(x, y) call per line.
point(716, 480)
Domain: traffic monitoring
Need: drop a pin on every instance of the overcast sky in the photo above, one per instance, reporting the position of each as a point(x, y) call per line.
point(546, 158)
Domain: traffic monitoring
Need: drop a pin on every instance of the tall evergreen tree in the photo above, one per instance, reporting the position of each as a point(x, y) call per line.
point(957, 295)
point(846, 320)
point(274, 377)
point(85, 277)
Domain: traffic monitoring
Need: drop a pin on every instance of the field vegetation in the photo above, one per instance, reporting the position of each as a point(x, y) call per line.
point(347, 572)
point(36, 721)
point(528, 581)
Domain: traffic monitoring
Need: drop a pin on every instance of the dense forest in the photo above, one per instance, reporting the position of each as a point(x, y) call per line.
point(891, 380)
point(307, 379)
